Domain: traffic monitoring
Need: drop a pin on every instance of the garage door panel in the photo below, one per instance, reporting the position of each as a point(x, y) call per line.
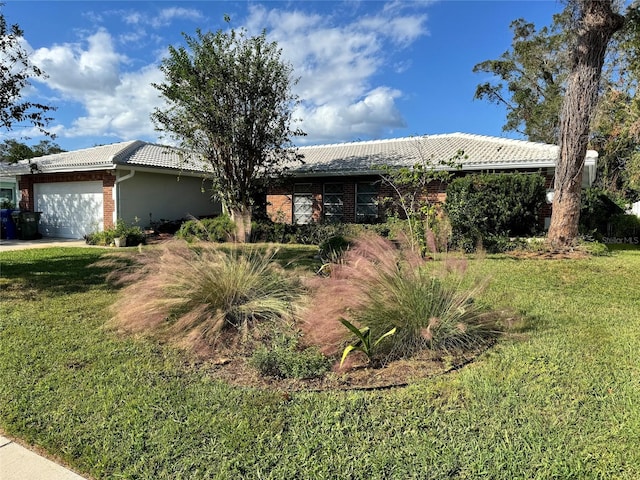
point(69, 209)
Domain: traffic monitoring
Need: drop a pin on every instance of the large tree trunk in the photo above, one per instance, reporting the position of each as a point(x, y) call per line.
point(597, 25)
point(241, 216)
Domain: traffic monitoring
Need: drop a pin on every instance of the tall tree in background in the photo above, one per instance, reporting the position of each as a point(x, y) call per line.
point(229, 100)
point(616, 126)
point(12, 151)
point(529, 78)
point(15, 72)
point(596, 23)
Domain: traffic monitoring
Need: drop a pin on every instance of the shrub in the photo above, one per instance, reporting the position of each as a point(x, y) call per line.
point(332, 248)
point(379, 286)
point(317, 233)
point(284, 359)
point(623, 226)
point(131, 234)
point(190, 296)
point(6, 204)
point(218, 229)
point(484, 206)
point(596, 209)
point(592, 247)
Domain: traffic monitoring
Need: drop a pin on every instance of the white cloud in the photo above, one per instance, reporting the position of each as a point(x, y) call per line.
point(133, 18)
point(163, 18)
point(125, 113)
point(167, 15)
point(337, 62)
point(370, 116)
point(401, 29)
point(75, 71)
point(116, 103)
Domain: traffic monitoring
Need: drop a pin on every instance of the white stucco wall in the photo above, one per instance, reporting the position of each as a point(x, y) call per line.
point(162, 197)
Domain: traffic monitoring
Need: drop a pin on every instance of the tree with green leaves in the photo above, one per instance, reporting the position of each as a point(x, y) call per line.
point(229, 100)
point(529, 78)
point(616, 126)
point(12, 151)
point(532, 80)
point(16, 70)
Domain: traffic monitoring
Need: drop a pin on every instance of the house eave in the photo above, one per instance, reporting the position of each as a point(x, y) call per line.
point(590, 161)
point(162, 170)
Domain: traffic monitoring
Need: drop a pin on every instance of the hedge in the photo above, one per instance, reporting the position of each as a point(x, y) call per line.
point(485, 209)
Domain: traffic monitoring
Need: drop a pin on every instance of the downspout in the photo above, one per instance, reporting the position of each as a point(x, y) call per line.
point(116, 193)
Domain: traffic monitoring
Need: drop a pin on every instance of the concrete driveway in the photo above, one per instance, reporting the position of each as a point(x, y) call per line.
point(7, 245)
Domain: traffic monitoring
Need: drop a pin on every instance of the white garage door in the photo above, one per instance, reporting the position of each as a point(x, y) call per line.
point(69, 209)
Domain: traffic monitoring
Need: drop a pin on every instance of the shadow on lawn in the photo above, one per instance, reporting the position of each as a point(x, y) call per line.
point(54, 272)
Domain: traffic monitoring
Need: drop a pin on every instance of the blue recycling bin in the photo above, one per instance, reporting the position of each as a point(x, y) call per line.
point(8, 228)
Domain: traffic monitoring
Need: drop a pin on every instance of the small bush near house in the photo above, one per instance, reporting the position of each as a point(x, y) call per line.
point(624, 226)
point(382, 287)
point(218, 229)
point(596, 211)
point(131, 235)
point(191, 296)
point(486, 209)
point(317, 233)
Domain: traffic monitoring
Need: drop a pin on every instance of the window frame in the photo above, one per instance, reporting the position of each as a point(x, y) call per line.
point(367, 217)
point(302, 193)
point(328, 207)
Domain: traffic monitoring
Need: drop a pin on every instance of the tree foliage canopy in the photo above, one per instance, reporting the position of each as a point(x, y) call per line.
point(12, 151)
point(15, 72)
point(229, 99)
point(531, 81)
point(530, 78)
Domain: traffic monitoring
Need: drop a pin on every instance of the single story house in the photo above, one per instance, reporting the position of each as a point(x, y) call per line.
point(88, 190)
point(340, 181)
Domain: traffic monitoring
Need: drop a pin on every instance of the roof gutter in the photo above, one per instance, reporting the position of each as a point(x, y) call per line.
point(590, 163)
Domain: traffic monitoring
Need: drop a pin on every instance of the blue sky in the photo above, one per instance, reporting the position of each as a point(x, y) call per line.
point(368, 69)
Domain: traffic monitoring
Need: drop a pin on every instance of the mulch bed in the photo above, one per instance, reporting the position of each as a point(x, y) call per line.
point(356, 376)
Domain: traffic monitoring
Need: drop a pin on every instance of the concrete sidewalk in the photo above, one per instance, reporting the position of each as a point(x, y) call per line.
point(7, 245)
point(19, 463)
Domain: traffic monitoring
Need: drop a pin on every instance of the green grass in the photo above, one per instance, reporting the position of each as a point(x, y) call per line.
point(558, 399)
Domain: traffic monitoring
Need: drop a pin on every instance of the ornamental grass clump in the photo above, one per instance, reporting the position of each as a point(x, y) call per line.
point(382, 287)
point(191, 296)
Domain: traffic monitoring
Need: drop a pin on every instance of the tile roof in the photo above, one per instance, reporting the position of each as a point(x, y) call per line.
point(480, 152)
point(133, 153)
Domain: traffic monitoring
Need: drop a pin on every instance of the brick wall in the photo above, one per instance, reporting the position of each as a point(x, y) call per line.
point(26, 183)
point(280, 197)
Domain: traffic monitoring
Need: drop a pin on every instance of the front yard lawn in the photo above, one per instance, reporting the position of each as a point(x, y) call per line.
point(557, 398)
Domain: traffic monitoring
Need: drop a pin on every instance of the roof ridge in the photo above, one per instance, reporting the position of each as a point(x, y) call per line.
point(127, 150)
point(470, 136)
point(492, 138)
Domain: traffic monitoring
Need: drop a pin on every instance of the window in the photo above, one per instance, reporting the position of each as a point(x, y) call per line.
point(302, 203)
point(366, 202)
point(332, 201)
point(6, 194)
